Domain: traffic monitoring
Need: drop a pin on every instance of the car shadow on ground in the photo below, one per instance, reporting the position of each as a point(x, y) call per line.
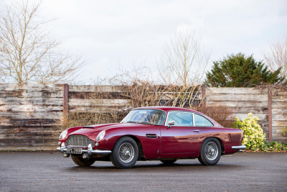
point(155, 166)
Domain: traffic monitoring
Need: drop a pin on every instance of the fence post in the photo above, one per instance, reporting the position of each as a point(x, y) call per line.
point(203, 96)
point(65, 102)
point(270, 114)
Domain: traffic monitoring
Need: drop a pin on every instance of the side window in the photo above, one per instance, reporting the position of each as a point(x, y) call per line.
point(180, 118)
point(201, 121)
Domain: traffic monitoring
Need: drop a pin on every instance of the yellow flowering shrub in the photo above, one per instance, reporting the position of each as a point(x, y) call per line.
point(253, 137)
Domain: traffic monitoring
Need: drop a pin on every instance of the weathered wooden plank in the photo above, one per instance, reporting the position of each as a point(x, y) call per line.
point(238, 97)
point(30, 108)
point(31, 101)
point(247, 110)
point(98, 95)
point(279, 93)
point(257, 104)
point(27, 143)
point(47, 147)
point(279, 123)
point(30, 135)
point(280, 139)
point(55, 130)
point(100, 102)
point(280, 117)
point(95, 88)
point(281, 111)
point(234, 91)
point(279, 98)
point(97, 109)
point(28, 122)
point(279, 104)
point(32, 93)
point(278, 130)
point(32, 115)
point(15, 86)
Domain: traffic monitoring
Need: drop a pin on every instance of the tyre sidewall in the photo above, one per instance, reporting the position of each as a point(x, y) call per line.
point(115, 154)
point(82, 162)
point(202, 157)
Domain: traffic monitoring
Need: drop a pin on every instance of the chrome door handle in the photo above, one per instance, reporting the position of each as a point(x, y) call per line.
point(151, 135)
point(196, 131)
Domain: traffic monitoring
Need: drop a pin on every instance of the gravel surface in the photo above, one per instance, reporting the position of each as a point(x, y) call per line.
point(49, 171)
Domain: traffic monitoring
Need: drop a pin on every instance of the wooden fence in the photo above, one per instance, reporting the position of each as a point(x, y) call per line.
point(31, 116)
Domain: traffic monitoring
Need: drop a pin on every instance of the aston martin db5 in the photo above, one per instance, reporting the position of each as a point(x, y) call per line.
point(166, 134)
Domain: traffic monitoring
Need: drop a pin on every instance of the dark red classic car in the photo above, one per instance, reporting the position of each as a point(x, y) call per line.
point(151, 133)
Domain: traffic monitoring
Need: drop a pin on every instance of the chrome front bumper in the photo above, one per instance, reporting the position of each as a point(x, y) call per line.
point(90, 150)
point(240, 148)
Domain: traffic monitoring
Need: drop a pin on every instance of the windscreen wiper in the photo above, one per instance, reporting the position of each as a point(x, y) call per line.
point(131, 122)
point(145, 122)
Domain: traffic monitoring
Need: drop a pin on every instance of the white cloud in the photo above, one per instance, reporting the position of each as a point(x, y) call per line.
point(127, 32)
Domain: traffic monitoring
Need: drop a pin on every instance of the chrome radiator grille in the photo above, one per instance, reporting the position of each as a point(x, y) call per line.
point(79, 140)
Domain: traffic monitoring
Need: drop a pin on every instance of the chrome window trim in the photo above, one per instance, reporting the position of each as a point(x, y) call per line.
point(166, 123)
point(165, 116)
point(204, 118)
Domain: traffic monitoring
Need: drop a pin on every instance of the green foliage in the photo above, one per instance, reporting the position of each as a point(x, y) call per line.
point(254, 138)
point(284, 131)
point(253, 133)
point(273, 146)
point(241, 71)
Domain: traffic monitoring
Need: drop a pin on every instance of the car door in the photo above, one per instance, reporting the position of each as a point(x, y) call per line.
point(180, 138)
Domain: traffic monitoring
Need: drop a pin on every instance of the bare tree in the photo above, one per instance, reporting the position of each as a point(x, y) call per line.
point(183, 66)
point(27, 52)
point(277, 57)
point(184, 60)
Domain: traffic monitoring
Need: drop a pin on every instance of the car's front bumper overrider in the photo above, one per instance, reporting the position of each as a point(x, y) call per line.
point(240, 148)
point(90, 150)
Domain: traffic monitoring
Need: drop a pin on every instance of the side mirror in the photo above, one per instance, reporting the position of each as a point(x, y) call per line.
point(170, 123)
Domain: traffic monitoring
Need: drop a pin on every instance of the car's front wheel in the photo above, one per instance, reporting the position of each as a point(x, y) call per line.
point(78, 160)
point(210, 152)
point(125, 153)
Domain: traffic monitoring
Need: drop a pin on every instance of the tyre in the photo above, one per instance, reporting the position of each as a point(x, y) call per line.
point(210, 152)
point(168, 162)
point(125, 153)
point(78, 160)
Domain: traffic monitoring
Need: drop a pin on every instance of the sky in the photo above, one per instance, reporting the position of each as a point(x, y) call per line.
point(119, 34)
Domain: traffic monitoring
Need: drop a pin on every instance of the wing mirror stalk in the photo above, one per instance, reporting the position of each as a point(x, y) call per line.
point(170, 123)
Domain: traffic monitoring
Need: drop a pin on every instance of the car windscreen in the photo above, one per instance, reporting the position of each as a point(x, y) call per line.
point(145, 116)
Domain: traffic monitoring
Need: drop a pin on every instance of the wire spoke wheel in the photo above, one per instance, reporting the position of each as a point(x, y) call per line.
point(211, 151)
point(126, 152)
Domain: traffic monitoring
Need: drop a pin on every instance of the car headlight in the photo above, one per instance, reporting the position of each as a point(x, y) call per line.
point(100, 136)
point(63, 135)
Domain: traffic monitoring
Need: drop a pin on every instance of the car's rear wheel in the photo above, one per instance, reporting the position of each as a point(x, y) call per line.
point(168, 162)
point(210, 152)
point(125, 153)
point(78, 160)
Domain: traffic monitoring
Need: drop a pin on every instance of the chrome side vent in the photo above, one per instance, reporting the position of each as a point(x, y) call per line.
point(79, 140)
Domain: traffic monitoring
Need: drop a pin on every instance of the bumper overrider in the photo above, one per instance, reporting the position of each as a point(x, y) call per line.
point(240, 148)
point(85, 152)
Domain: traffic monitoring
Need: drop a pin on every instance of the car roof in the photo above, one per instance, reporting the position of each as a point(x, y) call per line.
point(168, 108)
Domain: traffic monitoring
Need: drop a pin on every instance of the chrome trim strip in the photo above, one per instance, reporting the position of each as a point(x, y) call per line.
point(96, 151)
point(101, 152)
point(241, 147)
